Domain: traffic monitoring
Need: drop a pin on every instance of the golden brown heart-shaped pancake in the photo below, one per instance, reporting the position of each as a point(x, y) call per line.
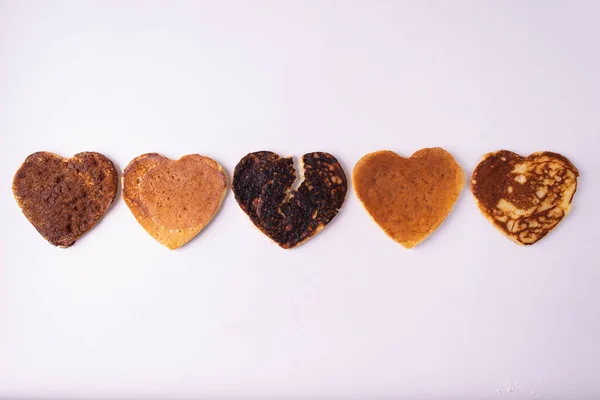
point(262, 185)
point(524, 197)
point(173, 199)
point(408, 197)
point(65, 197)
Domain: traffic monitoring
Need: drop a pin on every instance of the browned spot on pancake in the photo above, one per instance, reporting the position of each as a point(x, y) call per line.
point(525, 197)
point(173, 200)
point(64, 198)
point(492, 186)
point(408, 197)
point(262, 185)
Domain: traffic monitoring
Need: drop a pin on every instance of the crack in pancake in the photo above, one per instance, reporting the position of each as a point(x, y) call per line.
point(524, 197)
point(262, 185)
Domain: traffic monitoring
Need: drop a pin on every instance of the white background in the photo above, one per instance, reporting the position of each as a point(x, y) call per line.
point(350, 314)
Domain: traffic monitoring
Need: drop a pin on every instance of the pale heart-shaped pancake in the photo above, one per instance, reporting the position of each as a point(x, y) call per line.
point(524, 197)
point(173, 199)
point(408, 197)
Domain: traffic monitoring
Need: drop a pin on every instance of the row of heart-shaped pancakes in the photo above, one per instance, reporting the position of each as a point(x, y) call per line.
point(407, 197)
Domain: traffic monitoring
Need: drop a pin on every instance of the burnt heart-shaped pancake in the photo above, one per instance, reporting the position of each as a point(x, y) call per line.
point(65, 197)
point(408, 197)
point(262, 185)
point(524, 197)
point(173, 199)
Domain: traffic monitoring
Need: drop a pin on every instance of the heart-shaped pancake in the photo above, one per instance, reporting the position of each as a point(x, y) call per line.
point(65, 197)
point(262, 185)
point(173, 199)
point(524, 197)
point(408, 197)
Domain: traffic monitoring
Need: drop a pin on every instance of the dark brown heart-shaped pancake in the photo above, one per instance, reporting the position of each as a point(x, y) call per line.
point(524, 197)
point(64, 198)
point(262, 185)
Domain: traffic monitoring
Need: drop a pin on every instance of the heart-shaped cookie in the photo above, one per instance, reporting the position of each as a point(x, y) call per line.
point(262, 185)
point(408, 197)
point(173, 199)
point(524, 197)
point(65, 197)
